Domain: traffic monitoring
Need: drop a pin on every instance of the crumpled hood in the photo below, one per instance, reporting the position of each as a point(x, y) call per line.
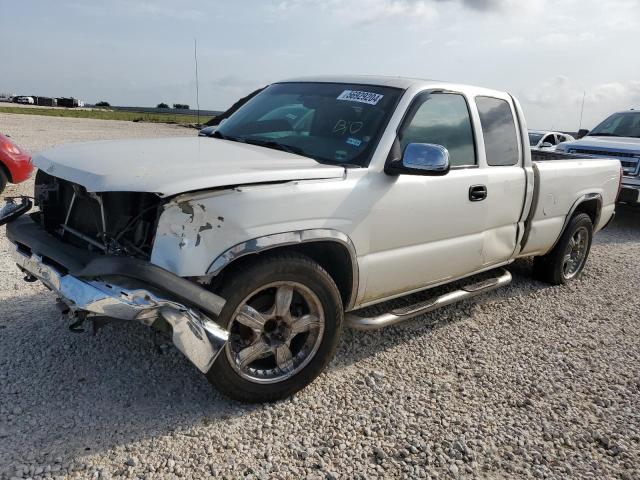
point(622, 144)
point(169, 166)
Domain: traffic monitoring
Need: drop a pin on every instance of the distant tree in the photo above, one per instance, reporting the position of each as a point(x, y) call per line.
point(103, 104)
point(162, 105)
point(180, 106)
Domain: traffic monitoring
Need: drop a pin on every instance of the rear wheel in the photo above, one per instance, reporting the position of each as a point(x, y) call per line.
point(284, 314)
point(568, 258)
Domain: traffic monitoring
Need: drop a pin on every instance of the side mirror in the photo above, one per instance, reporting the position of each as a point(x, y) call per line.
point(546, 145)
point(582, 133)
point(421, 159)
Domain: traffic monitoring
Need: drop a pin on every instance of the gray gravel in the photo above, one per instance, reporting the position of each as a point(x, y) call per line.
point(528, 381)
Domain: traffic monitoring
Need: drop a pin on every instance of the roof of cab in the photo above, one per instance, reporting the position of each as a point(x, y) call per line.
point(383, 81)
point(403, 83)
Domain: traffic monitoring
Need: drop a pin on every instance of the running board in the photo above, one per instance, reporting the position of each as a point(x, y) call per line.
point(405, 313)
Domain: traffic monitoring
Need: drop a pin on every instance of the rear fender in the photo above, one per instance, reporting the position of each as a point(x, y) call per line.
point(589, 203)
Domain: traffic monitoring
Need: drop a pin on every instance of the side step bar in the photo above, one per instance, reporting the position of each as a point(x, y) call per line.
point(405, 313)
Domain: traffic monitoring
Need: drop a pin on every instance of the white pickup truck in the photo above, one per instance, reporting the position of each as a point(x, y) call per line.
point(253, 247)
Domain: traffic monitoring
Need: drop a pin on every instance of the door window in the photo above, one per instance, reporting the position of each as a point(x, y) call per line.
point(499, 131)
point(442, 119)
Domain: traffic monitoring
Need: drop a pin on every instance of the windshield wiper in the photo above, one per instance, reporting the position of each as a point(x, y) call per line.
point(603, 135)
point(275, 146)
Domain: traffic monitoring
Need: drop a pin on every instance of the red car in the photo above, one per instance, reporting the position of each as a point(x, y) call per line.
point(15, 163)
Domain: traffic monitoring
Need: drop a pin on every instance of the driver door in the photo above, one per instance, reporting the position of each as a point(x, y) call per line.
point(425, 229)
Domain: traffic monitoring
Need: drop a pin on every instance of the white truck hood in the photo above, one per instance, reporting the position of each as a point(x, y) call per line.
point(617, 143)
point(168, 166)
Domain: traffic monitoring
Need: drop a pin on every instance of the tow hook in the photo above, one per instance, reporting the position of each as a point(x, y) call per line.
point(63, 307)
point(76, 327)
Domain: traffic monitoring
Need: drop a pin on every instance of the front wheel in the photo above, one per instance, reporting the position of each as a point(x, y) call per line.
point(568, 258)
point(284, 315)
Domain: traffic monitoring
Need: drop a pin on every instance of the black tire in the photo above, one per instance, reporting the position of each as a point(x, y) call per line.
point(251, 276)
point(550, 268)
point(3, 181)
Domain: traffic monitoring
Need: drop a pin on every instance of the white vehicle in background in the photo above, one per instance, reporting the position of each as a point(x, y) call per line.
point(546, 140)
point(26, 100)
point(253, 247)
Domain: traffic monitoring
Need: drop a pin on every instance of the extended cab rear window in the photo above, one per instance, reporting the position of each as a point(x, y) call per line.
point(499, 131)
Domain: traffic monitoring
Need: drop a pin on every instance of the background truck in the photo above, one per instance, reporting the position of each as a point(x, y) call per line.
point(316, 198)
point(618, 136)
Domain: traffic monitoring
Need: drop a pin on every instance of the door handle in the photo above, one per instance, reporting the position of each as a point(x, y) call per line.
point(477, 193)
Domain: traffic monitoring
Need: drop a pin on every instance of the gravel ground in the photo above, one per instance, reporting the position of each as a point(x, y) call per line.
point(527, 381)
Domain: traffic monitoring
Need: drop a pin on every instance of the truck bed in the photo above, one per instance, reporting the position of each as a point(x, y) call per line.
point(558, 184)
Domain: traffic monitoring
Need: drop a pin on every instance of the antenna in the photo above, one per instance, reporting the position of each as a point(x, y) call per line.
point(584, 94)
point(195, 58)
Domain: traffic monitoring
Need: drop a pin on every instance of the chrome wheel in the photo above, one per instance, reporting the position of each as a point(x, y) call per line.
point(275, 332)
point(575, 253)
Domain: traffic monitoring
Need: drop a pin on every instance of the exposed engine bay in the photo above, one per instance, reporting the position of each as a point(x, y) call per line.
point(114, 223)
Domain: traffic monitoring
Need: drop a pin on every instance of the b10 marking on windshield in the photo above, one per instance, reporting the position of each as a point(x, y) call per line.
point(362, 97)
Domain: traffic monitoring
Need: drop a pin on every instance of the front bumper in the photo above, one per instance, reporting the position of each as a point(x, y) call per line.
point(124, 288)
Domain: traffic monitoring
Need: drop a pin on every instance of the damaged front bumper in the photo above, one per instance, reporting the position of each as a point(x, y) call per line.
point(125, 288)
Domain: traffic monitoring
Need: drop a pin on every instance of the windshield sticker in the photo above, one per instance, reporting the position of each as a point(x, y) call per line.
point(341, 155)
point(354, 141)
point(362, 97)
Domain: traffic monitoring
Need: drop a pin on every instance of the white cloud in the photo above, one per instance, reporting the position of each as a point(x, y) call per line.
point(140, 8)
point(512, 41)
point(367, 12)
point(563, 38)
point(502, 5)
point(364, 12)
point(557, 101)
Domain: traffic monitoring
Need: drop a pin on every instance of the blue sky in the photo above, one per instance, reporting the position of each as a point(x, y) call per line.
point(141, 52)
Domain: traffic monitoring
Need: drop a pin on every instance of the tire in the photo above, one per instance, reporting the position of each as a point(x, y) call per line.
point(553, 267)
point(258, 284)
point(3, 181)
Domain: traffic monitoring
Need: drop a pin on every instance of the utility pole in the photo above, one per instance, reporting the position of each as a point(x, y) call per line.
point(195, 58)
point(584, 94)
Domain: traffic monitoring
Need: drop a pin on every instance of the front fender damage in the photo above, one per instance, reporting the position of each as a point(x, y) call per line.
point(188, 233)
point(188, 222)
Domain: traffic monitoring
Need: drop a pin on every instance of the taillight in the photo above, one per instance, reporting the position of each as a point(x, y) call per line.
point(10, 148)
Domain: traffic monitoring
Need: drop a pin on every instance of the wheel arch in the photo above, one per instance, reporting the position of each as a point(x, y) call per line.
point(589, 203)
point(331, 249)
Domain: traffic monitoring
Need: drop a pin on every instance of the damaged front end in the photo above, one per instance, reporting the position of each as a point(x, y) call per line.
point(92, 250)
point(113, 223)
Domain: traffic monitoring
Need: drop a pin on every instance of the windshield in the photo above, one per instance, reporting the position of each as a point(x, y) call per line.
point(329, 122)
point(534, 138)
point(626, 124)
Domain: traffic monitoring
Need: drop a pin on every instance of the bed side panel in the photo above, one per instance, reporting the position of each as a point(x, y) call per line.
point(560, 184)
